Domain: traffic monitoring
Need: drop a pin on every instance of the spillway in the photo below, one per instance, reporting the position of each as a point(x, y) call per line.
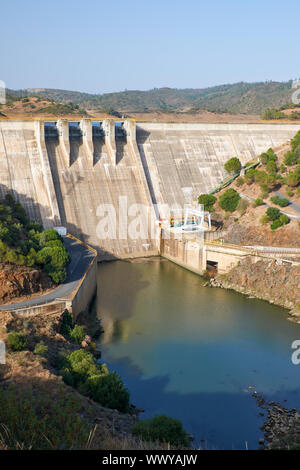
point(69, 175)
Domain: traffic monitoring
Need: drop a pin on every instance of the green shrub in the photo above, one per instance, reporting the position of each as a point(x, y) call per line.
point(77, 334)
point(250, 176)
point(290, 158)
point(17, 341)
point(258, 202)
point(271, 167)
point(282, 168)
point(273, 213)
point(229, 200)
point(264, 219)
point(49, 234)
point(240, 181)
point(163, 429)
point(208, 200)
point(293, 178)
point(242, 206)
point(79, 366)
point(80, 370)
point(280, 201)
point(276, 224)
point(66, 324)
point(40, 349)
point(108, 390)
point(35, 420)
point(284, 219)
point(233, 165)
point(289, 192)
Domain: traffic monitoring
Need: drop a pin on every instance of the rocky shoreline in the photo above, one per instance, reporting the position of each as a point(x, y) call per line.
point(282, 426)
point(264, 280)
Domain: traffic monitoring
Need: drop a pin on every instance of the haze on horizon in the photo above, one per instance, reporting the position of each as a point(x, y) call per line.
point(100, 47)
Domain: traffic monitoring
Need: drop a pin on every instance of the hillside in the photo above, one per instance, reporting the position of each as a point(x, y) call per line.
point(244, 207)
point(245, 98)
point(35, 106)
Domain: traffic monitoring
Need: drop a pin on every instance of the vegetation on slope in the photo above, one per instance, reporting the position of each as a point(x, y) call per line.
point(35, 105)
point(25, 243)
point(292, 113)
point(247, 98)
point(38, 410)
point(272, 174)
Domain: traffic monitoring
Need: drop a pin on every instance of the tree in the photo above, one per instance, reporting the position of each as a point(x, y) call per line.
point(233, 165)
point(229, 200)
point(208, 200)
point(293, 178)
point(273, 213)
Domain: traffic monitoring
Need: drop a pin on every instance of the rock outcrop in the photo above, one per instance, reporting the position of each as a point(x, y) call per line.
point(266, 279)
point(20, 281)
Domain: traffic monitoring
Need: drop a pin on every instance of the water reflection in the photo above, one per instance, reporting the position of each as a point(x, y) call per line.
point(190, 351)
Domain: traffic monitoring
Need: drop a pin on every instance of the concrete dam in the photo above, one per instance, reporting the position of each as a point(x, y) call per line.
point(68, 173)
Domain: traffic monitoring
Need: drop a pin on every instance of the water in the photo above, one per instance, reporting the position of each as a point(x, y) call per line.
point(191, 352)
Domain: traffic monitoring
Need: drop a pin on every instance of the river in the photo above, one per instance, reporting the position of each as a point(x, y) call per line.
point(191, 352)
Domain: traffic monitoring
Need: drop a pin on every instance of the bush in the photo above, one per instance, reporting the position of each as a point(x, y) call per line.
point(17, 341)
point(284, 219)
point(258, 202)
point(162, 428)
point(80, 370)
point(242, 206)
point(276, 224)
point(240, 181)
point(273, 213)
point(108, 390)
point(290, 158)
point(271, 167)
point(229, 200)
point(40, 349)
point(293, 178)
point(280, 201)
point(269, 156)
point(49, 234)
point(34, 420)
point(79, 366)
point(208, 200)
point(250, 176)
point(264, 219)
point(233, 165)
point(66, 324)
point(77, 334)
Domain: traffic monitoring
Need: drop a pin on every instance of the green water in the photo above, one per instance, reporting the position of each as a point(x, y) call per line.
point(191, 352)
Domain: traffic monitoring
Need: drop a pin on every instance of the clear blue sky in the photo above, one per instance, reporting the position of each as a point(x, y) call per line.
point(101, 46)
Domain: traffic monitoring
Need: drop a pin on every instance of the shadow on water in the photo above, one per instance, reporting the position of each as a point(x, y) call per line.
point(192, 352)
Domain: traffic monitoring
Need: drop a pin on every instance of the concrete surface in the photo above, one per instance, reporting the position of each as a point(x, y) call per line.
point(68, 181)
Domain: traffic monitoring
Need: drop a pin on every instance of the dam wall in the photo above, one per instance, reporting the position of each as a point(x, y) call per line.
point(25, 170)
point(193, 252)
point(92, 177)
point(182, 161)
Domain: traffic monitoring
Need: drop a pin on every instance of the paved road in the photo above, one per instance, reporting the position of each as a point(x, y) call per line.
point(80, 259)
point(294, 206)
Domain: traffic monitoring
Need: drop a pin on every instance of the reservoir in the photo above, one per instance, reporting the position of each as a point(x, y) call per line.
point(191, 352)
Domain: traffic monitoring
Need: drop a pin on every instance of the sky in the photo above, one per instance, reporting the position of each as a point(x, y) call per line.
point(100, 46)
